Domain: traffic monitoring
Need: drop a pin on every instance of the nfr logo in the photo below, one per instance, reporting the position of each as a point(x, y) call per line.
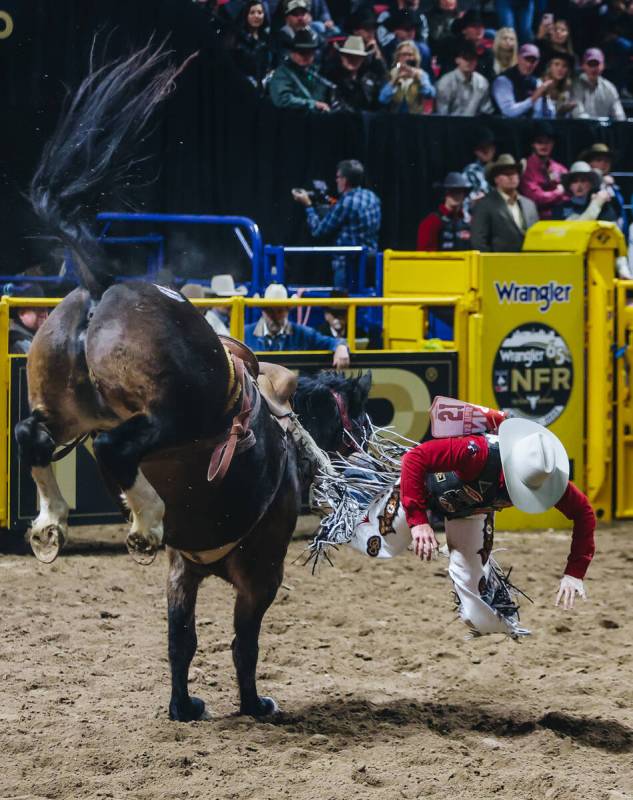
point(533, 373)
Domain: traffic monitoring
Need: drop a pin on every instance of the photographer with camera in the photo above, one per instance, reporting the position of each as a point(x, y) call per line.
point(354, 220)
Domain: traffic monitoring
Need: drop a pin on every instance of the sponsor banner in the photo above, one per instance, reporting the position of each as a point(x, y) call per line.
point(542, 295)
point(533, 361)
point(404, 385)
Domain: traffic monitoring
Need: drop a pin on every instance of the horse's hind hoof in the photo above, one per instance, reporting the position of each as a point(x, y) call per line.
point(191, 711)
point(142, 550)
point(266, 707)
point(47, 543)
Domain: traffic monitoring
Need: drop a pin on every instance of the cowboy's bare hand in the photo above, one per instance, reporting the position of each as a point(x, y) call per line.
point(569, 588)
point(425, 545)
point(341, 357)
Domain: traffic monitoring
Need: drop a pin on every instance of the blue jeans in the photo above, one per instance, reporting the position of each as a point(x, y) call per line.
point(517, 14)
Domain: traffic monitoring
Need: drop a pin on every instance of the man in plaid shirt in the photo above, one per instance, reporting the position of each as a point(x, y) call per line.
point(354, 220)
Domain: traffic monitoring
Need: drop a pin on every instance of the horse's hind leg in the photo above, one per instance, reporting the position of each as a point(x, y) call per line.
point(252, 601)
point(182, 591)
point(49, 528)
point(120, 451)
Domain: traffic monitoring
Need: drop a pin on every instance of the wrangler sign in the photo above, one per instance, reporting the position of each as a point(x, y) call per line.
point(532, 363)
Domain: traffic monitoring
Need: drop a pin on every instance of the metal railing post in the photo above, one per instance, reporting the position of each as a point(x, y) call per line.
point(5, 422)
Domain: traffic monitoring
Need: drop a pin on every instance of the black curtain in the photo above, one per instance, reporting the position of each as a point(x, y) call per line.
point(218, 147)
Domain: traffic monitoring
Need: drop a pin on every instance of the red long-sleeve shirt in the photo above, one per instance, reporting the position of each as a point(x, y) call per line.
point(467, 456)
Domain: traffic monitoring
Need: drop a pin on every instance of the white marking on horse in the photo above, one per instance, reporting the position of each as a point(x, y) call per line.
point(170, 293)
point(53, 516)
point(147, 510)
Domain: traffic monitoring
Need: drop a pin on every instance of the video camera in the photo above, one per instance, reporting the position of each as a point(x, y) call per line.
point(321, 199)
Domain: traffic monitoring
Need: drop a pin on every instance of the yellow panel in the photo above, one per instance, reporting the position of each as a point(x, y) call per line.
point(624, 406)
point(600, 340)
point(414, 273)
point(574, 237)
point(532, 355)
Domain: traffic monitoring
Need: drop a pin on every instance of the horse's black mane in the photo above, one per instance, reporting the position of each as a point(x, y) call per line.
point(318, 410)
point(329, 379)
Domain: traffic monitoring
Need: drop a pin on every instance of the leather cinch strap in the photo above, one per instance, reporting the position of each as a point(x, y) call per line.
point(239, 437)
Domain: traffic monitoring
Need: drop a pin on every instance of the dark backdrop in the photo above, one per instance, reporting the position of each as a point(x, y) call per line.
point(220, 149)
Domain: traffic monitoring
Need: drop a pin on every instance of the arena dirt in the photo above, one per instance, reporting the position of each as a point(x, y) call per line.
point(382, 698)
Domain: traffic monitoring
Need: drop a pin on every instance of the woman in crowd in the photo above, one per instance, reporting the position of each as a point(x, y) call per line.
point(409, 88)
point(505, 49)
point(253, 53)
point(553, 38)
point(559, 69)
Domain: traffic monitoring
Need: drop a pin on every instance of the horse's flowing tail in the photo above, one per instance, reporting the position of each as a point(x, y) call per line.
point(91, 154)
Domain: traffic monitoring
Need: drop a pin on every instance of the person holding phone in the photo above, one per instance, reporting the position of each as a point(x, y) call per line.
point(409, 88)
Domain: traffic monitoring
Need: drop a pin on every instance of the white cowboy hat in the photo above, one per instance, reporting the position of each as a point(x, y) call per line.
point(276, 291)
point(224, 286)
point(353, 46)
point(535, 465)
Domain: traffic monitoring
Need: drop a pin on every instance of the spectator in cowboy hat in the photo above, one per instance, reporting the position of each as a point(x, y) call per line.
point(597, 95)
point(587, 201)
point(447, 228)
point(517, 92)
point(600, 158)
point(358, 77)
point(501, 219)
point(484, 150)
point(275, 332)
point(541, 179)
point(406, 25)
point(219, 317)
point(363, 23)
point(470, 28)
point(296, 83)
point(297, 17)
point(463, 92)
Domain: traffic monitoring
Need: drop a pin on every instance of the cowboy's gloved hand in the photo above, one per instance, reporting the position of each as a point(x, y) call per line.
point(569, 588)
point(425, 545)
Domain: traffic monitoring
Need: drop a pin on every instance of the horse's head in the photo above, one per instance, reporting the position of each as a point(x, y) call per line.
point(333, 409)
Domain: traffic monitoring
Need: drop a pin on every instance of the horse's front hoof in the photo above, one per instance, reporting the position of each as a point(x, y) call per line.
point(190, 711)
point(265, 707)
point(142, 549)
point(47, 543)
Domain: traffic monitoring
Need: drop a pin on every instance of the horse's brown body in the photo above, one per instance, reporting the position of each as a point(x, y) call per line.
point(136, 351)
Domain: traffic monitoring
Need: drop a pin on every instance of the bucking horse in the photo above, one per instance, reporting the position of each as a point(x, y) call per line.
point(138, 368)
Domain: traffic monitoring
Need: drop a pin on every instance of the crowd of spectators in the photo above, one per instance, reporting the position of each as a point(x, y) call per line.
point(492, 203)
point(572, 59)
